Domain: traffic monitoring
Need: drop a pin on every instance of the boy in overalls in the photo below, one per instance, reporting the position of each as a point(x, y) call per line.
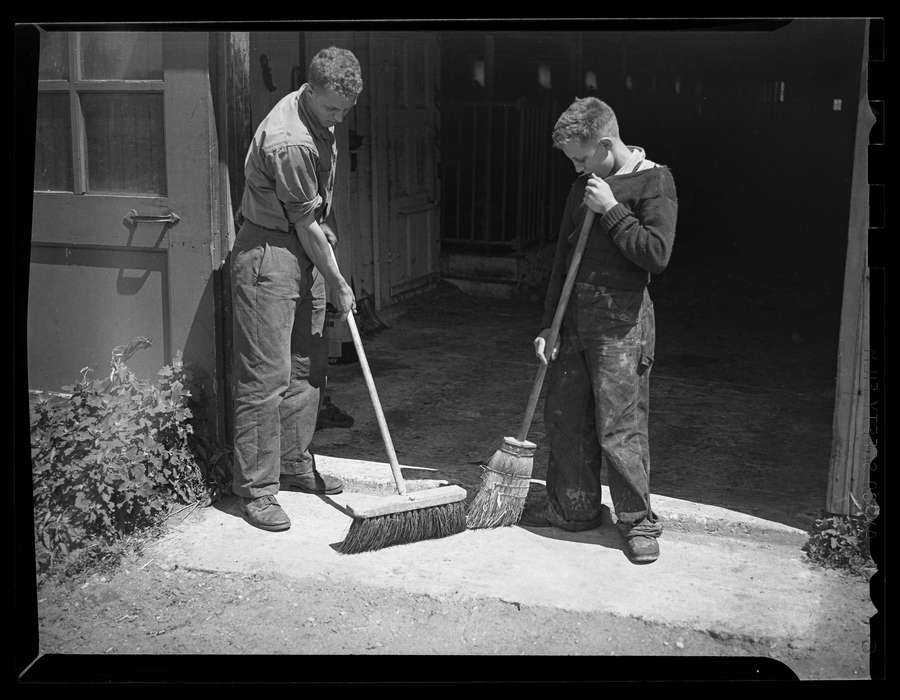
point(597, 402)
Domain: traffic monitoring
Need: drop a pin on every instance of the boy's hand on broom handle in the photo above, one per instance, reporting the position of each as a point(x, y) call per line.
point(540, 343)
point(540, 346)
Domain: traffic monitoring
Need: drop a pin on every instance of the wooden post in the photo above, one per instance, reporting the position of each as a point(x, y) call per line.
point(374, 164)
point(488, 166)
point(236, 128)
point(473, 177)
point(504, 160)
point(851, 449)
point(489, 68)
point(230, 88)
point(520, 194)
point(576, 63)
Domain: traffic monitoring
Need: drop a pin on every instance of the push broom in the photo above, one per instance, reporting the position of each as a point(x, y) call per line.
point(507, 474)
point(406, 517)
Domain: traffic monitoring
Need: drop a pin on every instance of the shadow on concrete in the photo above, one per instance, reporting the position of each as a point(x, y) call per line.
point(605, 535)
point(230, 505)
point(337, 506)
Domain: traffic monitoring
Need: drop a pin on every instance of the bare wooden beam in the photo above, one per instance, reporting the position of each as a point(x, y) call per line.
point(851, 443)
point(240, 125)
point(229, 69)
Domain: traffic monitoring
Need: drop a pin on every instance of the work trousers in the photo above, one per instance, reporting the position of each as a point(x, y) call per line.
point(597, 409)
point(279, 357)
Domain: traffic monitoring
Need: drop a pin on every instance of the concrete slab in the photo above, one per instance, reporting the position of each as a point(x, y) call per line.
point(728, 586)
point(375, 477)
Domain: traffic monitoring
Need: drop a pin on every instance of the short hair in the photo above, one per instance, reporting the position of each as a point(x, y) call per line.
point(586, 119)
point(336, 69)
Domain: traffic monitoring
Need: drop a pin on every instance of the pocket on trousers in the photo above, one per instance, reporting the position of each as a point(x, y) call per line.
point(261, 255)
point(626, 306)
point(648, 339)
point(247, 258)
point(620, 305)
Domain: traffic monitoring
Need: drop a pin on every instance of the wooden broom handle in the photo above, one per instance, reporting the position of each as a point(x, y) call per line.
point(376, 404)
point(557, 323)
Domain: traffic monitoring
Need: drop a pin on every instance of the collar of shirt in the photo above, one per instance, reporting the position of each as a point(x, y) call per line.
point(634, 161)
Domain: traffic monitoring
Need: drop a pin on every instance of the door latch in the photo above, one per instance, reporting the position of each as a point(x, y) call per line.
point(132, 218)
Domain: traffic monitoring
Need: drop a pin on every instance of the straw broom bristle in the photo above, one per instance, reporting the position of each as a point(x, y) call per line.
point(367, 534)
point(504, 488)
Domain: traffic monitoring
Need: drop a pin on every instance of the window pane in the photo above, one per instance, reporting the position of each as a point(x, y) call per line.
point(53, 143)
point(121, 56)
point(54, 61)
point(125, 146)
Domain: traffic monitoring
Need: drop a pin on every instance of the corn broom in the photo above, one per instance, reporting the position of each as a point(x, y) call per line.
point(507, 475)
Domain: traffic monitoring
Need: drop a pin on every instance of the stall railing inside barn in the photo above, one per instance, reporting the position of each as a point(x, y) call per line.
point(500, 177)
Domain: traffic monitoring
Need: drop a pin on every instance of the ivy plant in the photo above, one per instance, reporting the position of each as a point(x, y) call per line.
point(115, 456)
point(842, 541)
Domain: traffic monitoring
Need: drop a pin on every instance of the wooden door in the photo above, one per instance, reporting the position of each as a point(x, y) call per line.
point(405, 68)
point(121, 241)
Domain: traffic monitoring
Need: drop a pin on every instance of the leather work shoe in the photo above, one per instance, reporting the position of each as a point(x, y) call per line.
point(265, 513)
point(642, 549)
point(311, 482)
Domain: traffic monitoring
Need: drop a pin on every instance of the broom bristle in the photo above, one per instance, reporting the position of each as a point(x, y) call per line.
point(367, 534)
point(504, 488)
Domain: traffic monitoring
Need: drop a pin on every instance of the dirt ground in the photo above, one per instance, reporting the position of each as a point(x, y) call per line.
point(741, 401)
point(142, 608)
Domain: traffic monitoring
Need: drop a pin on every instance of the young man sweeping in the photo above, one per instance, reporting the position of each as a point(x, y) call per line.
point(280, 264)
point(597, 402)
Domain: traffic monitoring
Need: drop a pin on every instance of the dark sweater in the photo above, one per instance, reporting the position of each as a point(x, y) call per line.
point(627, 244)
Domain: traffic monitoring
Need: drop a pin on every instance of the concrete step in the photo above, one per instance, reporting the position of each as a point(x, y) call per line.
point(728, 586)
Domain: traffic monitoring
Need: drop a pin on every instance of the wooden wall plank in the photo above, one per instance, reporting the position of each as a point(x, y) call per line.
point(233, 129)
point(850, 454)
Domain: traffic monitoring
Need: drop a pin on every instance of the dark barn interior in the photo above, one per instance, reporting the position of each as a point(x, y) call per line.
point(757, 124)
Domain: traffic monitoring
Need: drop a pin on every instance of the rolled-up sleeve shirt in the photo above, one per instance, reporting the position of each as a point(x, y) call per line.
point(289, 169)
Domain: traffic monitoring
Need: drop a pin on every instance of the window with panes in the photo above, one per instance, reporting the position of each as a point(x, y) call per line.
point(100, 114)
